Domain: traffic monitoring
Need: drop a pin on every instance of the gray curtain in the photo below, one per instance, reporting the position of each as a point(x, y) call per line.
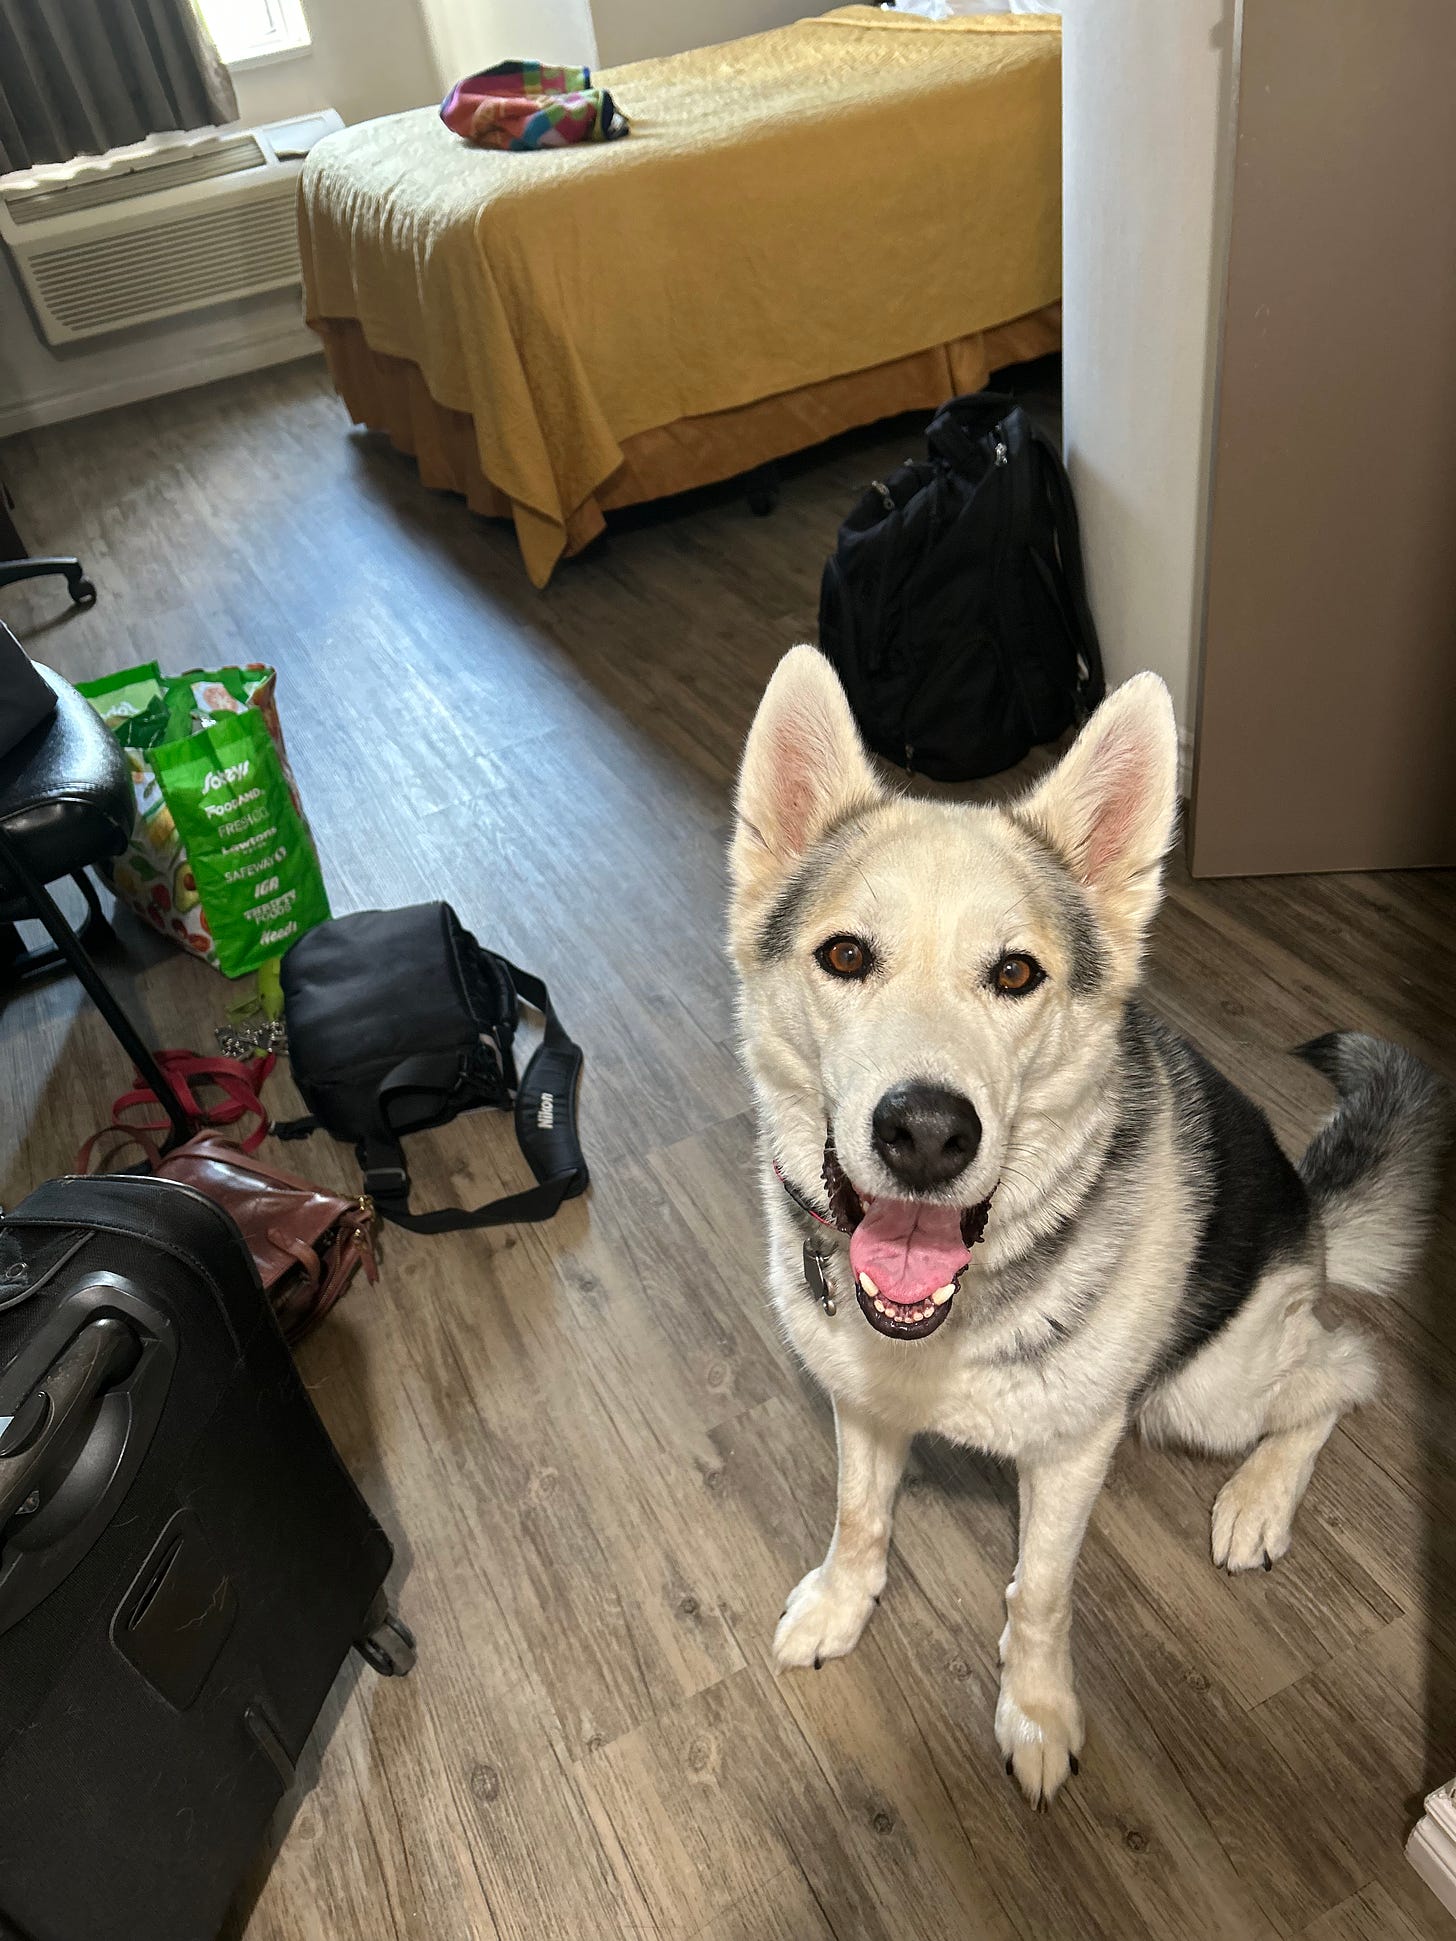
point(80, 76)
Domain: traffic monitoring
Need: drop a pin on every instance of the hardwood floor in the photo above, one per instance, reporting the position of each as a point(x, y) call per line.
point(601, 1471)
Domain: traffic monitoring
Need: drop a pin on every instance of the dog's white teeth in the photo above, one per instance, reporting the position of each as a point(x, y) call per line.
point(942, 1295)
point(880, 1308)
point(868, 1285)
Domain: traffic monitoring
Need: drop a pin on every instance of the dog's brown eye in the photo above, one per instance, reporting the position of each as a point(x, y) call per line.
point(845, 956)
point(1016, 974)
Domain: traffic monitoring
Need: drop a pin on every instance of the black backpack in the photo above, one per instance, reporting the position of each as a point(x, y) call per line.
point(953, 606)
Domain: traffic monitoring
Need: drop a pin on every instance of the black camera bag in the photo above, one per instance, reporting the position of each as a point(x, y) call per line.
point(398, 1020)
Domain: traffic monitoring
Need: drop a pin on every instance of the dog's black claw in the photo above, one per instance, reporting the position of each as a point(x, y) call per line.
point(1010, 1765)
point(1268, 1561)
point(818, 1662)
point(1043, 1804)
point(1072, 1762)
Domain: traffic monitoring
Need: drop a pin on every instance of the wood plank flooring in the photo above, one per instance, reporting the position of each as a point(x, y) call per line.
point(600, 1469)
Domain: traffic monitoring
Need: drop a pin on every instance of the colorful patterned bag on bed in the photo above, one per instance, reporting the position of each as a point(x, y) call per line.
point(526, 104)
point(221, 859)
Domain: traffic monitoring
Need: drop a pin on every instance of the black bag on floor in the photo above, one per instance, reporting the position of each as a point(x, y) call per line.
point(184, 1564)
point(398, 1020)
point(954, 606)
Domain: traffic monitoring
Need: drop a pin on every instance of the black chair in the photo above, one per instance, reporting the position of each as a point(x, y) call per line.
point(66, 802)
point(17, 564)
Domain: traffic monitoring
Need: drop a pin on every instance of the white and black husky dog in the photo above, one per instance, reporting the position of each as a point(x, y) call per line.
point(1008, 1205)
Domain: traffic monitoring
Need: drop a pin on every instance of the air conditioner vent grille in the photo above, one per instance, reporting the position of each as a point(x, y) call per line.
point(226, 251)
point(150, 175)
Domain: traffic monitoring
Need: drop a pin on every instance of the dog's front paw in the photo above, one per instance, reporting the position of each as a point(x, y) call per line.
point(1039, 1730)
point(1253, 1519)
point(823, 1618)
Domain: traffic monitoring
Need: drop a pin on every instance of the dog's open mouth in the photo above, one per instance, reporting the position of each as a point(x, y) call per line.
point(906, 1256)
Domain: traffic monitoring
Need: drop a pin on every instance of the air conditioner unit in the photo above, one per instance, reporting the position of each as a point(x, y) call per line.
point(159, 229)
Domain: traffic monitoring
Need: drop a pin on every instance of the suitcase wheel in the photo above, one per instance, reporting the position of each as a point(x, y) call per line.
point(389, 1648)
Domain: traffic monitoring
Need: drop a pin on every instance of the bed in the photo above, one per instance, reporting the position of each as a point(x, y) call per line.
point(806, 230)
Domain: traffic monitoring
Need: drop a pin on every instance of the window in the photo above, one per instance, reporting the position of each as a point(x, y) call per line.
point(247, 31)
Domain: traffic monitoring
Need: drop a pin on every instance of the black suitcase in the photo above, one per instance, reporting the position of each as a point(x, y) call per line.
point(184, 1564)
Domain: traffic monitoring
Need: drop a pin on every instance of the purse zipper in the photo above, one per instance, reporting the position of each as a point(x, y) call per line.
point(363, 1235)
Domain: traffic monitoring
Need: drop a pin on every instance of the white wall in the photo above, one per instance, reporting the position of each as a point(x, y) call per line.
point(468, 35)
point(368, 57)
point(1145, 113)
point(631, 30)
point(471, 34)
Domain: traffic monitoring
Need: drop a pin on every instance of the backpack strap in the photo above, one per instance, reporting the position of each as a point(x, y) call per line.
point(546, 1130)
point(1092, 683)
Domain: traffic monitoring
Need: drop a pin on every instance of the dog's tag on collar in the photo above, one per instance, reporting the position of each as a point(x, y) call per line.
point(816, 1278)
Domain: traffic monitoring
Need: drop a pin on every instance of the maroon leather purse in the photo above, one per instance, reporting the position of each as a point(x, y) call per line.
point(306, 1244)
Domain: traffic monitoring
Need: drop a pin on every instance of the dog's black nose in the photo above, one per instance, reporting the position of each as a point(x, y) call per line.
point(925, 1134)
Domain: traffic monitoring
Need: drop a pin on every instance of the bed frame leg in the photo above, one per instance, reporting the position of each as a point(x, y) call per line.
point(762, 486)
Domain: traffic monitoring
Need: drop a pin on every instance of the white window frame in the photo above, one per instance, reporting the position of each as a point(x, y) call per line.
point(287, 37)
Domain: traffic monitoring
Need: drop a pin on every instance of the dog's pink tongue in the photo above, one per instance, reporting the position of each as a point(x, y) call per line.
point(908, 1250)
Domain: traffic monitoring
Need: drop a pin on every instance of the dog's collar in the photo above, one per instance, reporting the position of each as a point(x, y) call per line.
point(805, 1204)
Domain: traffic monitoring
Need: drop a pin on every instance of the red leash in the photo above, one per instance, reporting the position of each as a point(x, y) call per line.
point(240, 1084)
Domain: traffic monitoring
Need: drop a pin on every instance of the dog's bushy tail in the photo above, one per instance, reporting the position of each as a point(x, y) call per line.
point(1374, 1166)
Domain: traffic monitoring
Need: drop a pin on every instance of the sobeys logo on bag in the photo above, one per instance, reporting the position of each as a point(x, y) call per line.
point(226, 778)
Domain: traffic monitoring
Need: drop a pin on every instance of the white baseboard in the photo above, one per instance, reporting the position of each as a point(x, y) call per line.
point(247, 350)
point(1431, 1848)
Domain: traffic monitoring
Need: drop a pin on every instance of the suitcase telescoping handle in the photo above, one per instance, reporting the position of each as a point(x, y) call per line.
point(42, 1439)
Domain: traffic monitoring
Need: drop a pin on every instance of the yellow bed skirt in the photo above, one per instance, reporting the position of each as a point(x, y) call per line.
point(389, 395)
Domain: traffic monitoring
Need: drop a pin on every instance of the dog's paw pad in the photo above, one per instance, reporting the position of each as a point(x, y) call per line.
point(1040, 1739)
point(1251, 1524)
point(822, 1620)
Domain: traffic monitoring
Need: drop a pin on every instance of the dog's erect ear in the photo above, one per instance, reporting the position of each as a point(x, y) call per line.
point(803, 769)
point(1109, 806)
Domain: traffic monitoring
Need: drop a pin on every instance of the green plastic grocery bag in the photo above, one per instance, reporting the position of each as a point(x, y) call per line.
point(221, 858)
point(250, 850)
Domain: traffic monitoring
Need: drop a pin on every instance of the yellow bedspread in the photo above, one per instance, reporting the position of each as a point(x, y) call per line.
point(788, 208)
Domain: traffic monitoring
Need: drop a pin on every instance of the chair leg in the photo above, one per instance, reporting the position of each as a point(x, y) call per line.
point(96, 924)
point(68, 946)
point(17, 964)
point(77, 585)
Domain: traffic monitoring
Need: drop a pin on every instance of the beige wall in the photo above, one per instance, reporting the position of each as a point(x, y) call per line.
point(1328, 706)
point(1144, 88)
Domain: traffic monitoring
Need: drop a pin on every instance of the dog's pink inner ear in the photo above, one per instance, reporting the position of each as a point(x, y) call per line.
point(803, 767)
point(799, 761)
point(1109, 804)
point(1116, 834)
